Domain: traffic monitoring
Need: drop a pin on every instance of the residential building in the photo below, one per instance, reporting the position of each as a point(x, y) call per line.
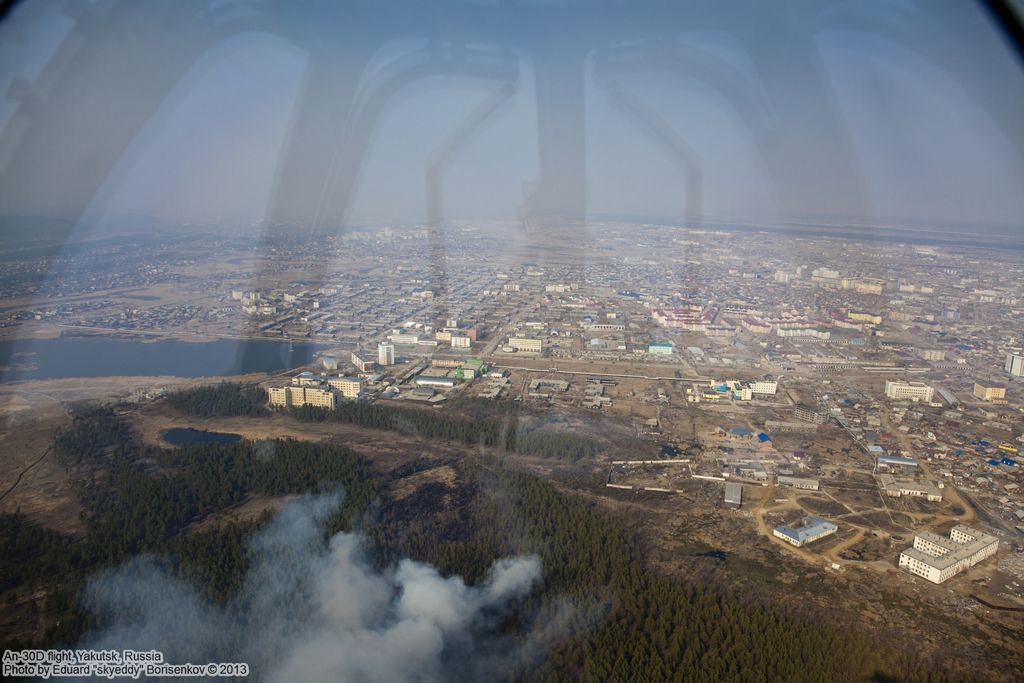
point(914, 391)
point(938, 558)
point(301, 395)
point(766, 387)
point(348, 387)
point(362, 364)
point(807, 413)
point(989, 391)
point(460, 341)
point(386, 354)
point(1015, 364)
point(525, 344)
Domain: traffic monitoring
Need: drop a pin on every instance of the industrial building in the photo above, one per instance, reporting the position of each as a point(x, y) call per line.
point(403, 337)
point(813, 528)
point(897, 488)
point(915, 391)
point(435, 381)
point(733, 494)
point(894, 462)
point(799, 483)
point(662, 348)
point(938, 558)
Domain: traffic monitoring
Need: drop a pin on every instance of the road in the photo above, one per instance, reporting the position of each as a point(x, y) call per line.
point(555, 370)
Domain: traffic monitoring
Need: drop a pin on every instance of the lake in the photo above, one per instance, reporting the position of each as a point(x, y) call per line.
point(107, 356)
point(181, 435)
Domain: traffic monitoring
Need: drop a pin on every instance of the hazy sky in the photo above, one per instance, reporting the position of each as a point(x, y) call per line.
point(873, 112)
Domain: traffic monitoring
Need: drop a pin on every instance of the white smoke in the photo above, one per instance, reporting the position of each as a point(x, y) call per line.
point(307, 613)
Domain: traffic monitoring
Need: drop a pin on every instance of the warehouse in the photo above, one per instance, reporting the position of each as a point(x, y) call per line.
point(733, 495)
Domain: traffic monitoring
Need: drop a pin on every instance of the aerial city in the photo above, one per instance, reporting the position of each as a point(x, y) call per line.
point(558, 438)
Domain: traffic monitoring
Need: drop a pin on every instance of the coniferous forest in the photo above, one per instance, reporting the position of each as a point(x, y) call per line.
point(617, 618)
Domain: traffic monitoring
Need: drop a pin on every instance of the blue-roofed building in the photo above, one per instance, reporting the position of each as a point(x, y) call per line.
point(994, 463)
point(813, 528)
point(1009, 461)
point(762, 437)
point(741, 431)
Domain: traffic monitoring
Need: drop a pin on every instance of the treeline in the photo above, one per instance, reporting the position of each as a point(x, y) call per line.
point(618, 619)
point(142, 499)
point(227, 399)
point(504, 434)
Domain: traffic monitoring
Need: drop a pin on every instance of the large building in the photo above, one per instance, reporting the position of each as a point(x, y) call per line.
point(938, 558)
point(386, 354)
point(1015, 364)
point(733, 494)
point(897, 488)
point(767, 387)
point(807, 413)
point(664, 348)
point(915, 391)
point(461, 341)
point(404, 338)
point(525, 344)
point(799, 483)
point(361, 364)
point(349, 387)
point(298, 395)
point(989, 391)
point(813, 529)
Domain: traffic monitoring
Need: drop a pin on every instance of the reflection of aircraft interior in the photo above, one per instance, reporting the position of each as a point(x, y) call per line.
point(64, 128)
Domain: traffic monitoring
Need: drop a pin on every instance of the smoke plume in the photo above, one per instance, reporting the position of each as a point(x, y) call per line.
point(310, 613)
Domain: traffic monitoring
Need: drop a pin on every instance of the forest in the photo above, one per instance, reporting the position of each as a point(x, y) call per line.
point(505, 434)
point(138, 498)
point(227, 399)
point(600, 612)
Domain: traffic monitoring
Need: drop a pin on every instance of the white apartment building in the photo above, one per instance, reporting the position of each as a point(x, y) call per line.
point(385, 354)
point(406, 338)
point(1015, 364)
point(938, 558)
point(460, 341)
point(764, 386)
point(525, 344)
point(914, 391)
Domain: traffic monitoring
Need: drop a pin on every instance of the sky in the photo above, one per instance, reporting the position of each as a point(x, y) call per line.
point(881, 112)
